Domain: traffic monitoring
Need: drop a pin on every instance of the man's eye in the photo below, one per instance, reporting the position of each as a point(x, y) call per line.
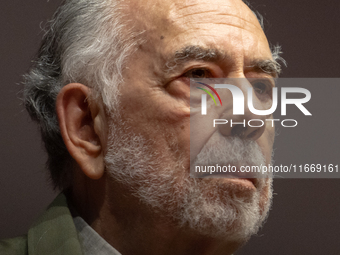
point(263, 87)
point(260, 87)
point(198, 73)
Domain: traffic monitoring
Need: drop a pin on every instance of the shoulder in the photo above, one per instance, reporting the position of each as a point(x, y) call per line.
point(53, 232)
point(15, 246)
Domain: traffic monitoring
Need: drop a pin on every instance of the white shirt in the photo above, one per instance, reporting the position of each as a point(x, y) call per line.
point(91, 242)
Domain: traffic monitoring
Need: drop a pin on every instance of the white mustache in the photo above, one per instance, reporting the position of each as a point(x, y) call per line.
point(232, 151)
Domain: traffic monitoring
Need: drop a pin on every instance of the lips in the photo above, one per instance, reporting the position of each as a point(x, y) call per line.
point(232, 175)
point(254, 181)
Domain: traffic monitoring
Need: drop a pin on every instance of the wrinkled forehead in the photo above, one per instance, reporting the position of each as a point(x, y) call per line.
point(170, 16)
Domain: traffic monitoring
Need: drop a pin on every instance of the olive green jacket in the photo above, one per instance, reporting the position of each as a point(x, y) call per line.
point(54, 233)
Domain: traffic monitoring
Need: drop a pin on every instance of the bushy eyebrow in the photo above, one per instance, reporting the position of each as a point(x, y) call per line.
point(269, 66)
point(194, 52)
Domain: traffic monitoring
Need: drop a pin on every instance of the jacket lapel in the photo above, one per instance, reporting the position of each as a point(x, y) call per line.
point(54, 232)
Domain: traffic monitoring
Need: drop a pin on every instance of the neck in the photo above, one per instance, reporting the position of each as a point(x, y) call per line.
point(133, 228)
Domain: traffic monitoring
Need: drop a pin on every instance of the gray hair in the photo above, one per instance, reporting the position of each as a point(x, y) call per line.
point(86, 42)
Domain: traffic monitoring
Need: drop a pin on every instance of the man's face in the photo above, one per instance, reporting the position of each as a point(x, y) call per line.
point(149, 144)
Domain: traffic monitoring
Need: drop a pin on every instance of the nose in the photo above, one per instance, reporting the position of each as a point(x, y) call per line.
point(246, 126)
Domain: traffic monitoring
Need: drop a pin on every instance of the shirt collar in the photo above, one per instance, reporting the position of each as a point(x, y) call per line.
point(90, 241)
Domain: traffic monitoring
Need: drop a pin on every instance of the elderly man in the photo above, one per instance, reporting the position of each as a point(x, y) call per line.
point(110, 91)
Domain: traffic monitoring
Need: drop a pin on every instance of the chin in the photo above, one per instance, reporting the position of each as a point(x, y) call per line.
point(225, 208)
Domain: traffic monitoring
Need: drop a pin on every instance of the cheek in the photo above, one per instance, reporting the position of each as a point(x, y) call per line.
point(161, 116)
point(180, 89)
point(270, 139)
point(266, 142)
point(173, 128)
point(265, 196)
point(177, 100)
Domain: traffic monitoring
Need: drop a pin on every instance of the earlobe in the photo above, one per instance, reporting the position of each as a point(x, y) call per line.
point(80, 128)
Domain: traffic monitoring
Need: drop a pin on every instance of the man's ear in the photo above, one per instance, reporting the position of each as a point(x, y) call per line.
point(81, 125)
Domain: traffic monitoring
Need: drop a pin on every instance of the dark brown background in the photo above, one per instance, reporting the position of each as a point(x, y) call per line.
point(305, 218)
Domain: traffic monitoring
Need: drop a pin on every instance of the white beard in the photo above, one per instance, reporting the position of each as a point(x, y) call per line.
point(210, 207)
